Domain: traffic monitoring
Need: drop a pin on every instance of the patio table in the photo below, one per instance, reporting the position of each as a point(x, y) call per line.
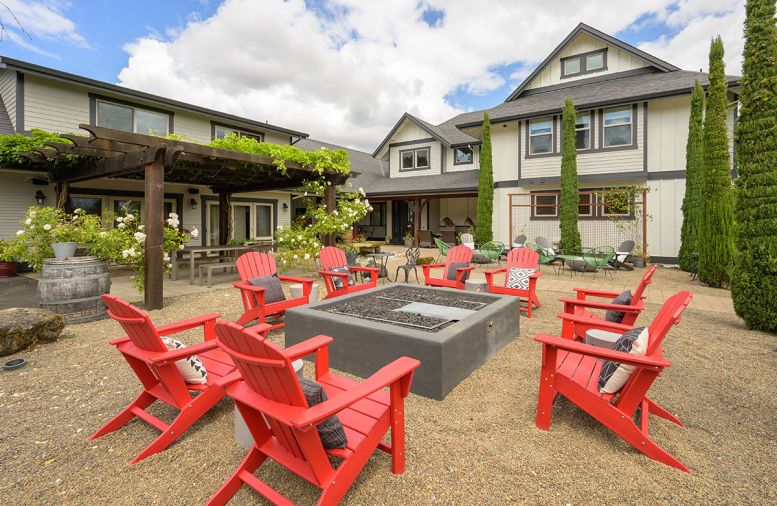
point(381, 260)
point(203, 251)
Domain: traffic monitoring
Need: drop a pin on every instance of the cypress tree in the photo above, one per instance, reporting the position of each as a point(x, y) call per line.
point(569, 201)
point(694, 161)
point(484, 232)
point(754, 279)
point(716, 237)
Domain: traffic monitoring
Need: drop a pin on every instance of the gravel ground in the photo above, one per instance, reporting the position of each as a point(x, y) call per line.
point(478, 446)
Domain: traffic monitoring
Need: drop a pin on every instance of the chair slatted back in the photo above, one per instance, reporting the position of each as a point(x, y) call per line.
point(542, 242)
point(644, 282)
point(269, 373)
point(522, 258)
point(669, 315)
point(135, 323)
point(254, 265)
point(626, 246)
point(332, 258)
point(458, 253)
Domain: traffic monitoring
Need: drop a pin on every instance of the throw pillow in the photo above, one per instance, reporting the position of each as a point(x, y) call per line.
point(191, 368)
point(338, 281)
point(623, 299)
point(330, 430)
point(613, 375)
point(273, 291)
point(518, 277)
point(452, 272)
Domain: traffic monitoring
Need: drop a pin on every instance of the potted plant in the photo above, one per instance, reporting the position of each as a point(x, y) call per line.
point(65, 239)
point(7, 260)
point(409, 238)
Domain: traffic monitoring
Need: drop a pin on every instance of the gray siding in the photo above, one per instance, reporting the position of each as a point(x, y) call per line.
point(8, 93)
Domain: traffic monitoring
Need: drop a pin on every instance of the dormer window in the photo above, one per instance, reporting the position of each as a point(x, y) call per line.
point(584, 63)
point(462, 156)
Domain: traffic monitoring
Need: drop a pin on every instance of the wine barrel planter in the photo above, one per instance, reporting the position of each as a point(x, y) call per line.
point(72, 287)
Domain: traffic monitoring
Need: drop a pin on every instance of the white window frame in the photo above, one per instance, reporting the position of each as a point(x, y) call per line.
point(580, 66)
point(591, 203)
point(414, 152)
point(532, 136)
point(536, 206)
point(134, 115)
point(630, 124)
point(588, 128)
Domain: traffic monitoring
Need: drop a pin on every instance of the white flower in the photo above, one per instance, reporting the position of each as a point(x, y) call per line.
point(299, 237)
point(296, 257)
point(78, 211)
point(169, 265)
point(173, 222)
point(19, 232)
point(334, 212)
point(195, 232)
point(366, 202)
point(103, 234)
point(140, 237)
point(165, 256)
point(307, 256)
point(280, 239)
point(125, 253)
point(180, 247)
point(120, 219)
point(28, 221)
point(363, 193)
point(75, 217)
point(305, 194)
point(315, 245)
point(46, 227)
point(129, 217)
point(122, 225)
point(32, 214)
point(141, 227)
point(173, 215)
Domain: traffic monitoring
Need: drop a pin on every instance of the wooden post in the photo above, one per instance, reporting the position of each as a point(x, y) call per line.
point(330, 201)
point(416, 220)
point(63, 194)
point(154, 200)
point(225, 217)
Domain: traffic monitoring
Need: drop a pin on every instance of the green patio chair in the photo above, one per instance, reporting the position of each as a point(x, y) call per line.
point(599, 258)
point(545, 259)
point(490, 251)
point(443, 247)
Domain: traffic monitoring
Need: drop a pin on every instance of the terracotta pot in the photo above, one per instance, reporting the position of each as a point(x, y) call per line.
point(7, 269)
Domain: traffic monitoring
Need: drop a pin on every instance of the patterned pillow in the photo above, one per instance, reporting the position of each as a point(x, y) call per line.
point(338, 281)
point(330, 430)
point(613, 375)
point(273, 291)
point(191, 368)
point(518, 277)
point(452, 272)
point(623, 299)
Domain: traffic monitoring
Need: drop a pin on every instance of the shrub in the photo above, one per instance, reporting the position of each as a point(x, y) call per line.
point(484, 231)
point(694, 166)
point(569, 243)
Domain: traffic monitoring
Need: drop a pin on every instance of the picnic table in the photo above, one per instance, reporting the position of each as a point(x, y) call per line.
point(204, 251)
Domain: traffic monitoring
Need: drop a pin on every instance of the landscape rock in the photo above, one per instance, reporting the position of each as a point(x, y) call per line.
point(21, 328)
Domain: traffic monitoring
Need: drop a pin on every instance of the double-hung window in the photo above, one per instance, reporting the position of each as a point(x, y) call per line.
point(221, 131)
point(541, 136)
point(132, 119)
point(412, 159)
point(617, 127)
point(583, 131)
point(545, 205)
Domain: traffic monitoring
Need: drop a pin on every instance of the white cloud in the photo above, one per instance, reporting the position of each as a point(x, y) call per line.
point(43, 20)
point(346, 71)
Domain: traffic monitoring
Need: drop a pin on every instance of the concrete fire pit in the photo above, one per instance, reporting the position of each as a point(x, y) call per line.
point(451, 332)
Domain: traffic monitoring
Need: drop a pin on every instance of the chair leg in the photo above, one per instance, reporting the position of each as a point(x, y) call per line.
point(651, 407)
point(250, 464)
point(142, 401)
point(546, 396)
point(415, 270)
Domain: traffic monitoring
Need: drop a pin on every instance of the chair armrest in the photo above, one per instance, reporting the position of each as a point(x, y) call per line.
point(396, 370)
point(341, 275)
point(495, 271)
point(432, 266)
point(364, 269)
point(600, 324)
point(460, 271)
point(598, 352)
point(307, 347)
point(191, 323)
point(583, 292)
point(293, 279)
point(230, 378)
point(608, 306)
point(188, 351)
point(248, 286)
point(536, 274)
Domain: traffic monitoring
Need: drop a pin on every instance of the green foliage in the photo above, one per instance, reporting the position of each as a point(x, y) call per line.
point(484, 231)
point(569, 212)
point(12, 146)
point(6, 251)
point(754, 279)
point(694, 166)
point(716, 237)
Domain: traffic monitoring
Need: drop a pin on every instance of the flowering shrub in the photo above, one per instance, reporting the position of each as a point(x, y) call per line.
point(301, 240)
point(125, 244)
point(44, 226)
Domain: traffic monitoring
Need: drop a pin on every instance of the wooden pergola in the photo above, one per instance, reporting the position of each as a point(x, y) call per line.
point(155, 160)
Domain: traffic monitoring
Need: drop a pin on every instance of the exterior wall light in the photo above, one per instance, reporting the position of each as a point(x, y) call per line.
point(285, 207)
point(39, 197)
point(193, 203)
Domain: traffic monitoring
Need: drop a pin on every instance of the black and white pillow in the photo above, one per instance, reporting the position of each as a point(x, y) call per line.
point(623, 299)
point(191, 368)
point(453, 271)
point(518, 277)
point(330, 430)
point(613, 375)
point(338, 281)
point(273, 291)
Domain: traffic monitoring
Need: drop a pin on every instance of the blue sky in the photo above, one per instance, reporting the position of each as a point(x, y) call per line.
point(345, 70)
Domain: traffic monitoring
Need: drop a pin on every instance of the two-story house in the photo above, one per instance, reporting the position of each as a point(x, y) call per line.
point(35, 97)
point(631, 131)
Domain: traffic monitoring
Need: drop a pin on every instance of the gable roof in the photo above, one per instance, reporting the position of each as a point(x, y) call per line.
point(446, 133)
point(657, 63)
point(31, 68)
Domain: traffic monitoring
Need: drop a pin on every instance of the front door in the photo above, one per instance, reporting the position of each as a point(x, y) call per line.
point(400, 220)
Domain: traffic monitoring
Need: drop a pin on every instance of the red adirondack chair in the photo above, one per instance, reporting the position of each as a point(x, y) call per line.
point(571, 369)
point(577, 320)
point(155, 367)
point(456, 254)
point(519, 258)
point(332, 258)
point(287, 432)
point(257, 265)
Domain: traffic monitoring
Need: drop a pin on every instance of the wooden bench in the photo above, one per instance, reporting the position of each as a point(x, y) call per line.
point(211, 267)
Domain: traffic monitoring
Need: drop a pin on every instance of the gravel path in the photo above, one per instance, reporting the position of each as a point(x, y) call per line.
point(478, 446)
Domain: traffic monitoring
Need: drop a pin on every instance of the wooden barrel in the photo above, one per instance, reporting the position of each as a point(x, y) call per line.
point(72, 288)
